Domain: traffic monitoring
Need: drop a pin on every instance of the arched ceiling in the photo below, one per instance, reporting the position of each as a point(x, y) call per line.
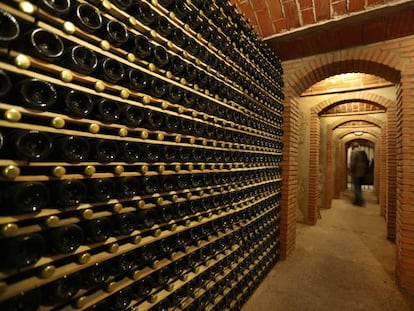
point(298, 28)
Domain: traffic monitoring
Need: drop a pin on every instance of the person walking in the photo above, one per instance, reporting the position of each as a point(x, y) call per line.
point(358, 168)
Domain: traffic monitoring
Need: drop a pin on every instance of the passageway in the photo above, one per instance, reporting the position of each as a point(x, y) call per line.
point(343, 263)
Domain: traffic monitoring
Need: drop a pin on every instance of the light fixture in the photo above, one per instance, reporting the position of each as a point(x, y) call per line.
point(358, 133)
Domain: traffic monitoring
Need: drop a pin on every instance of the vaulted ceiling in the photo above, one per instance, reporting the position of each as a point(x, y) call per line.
point(298, 28)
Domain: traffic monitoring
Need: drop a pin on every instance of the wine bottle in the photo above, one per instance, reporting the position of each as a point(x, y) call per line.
point(96, 275)
point(170, 153)
point(61, 290)
point(30, 145)
point(153, 120)
point(151, 152)
point(137, 80)
point(97, 230)
point(24, 301)
point(101, 189)
point(41, 43)
point(132, 115)
point(130, 152)
point(87, 17)
point(78, 104)
point(69, 192)
point(121, 300)
point(115, 32)
point(5, 84)
point(58, 8)
point(108, 111)
point(142, 48)
point(80, 59)
point(163, 26)
point(64, 239)
point(122, 263)
point(161, 57)
point(179, 38)
point(124, 223)
point(175, 94)
point(143, 13)
point(37, 94)
point(24, 197)
point(104, 150)
point(123, 4)
point(72, 149)
point(176, 65)
point(158, 87)
point(22, 251)
point(111, 70)
point(145, 218)
point(127, 186)
point(10, 28)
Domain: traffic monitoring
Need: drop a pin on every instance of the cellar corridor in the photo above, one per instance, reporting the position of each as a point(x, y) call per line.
point(343, 263)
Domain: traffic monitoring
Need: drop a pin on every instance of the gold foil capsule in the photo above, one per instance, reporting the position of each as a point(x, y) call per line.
point(58, 171)
point(174, 198)
point(47, 271)
point(107, 5)
point(118, 170)
point(183, 81)
point(123, 132)
point(144, 169)
point(94, 128)
point(11, 171)
point(124, 93)
point(105, 45)
point(169, 287)
point(201, 193)
point(27, 7)
point(161, 169)
point(99, 86)
point(160, 137)
point(144, 134)
point(137, 239)
point(117, 208)
point(80, 302)
point(173, 227)
point(136, 275)
point(84, 258)
point(12, 115)
point(131, 57)
point(187, 223)
point(152, 67)
point(113, 248)
point(9, 230)
point(178, 138)
point(172, 15)
point(192, 140)
point(157, 233)
point(190, 166)
point(89, 170)
point(110, 287)
point(152, 298)
point(156, 264)
point(141, 204)
point(52, 221)
point(87, 213)
point(58, 122)
point(160, 201)
point(164, 105)
point(169, 74)
point(177, 167)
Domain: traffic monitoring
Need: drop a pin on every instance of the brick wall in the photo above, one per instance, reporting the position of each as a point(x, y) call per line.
point(391, 60)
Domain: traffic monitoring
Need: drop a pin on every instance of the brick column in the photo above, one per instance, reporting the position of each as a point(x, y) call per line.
point(314, 180)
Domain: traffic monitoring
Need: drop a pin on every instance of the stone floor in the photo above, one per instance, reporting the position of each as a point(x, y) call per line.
point(344, 263)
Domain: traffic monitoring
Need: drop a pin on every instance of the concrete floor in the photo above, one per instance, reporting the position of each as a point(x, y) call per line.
point(344, 263)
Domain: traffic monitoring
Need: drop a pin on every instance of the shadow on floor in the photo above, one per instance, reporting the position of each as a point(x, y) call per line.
point(343, 263)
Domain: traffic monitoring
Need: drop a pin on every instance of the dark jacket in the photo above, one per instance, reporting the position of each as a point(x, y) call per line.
point(359, 163)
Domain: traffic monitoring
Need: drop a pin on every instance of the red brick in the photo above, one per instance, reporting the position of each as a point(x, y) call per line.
point(292, 15)
point(275, 10)
point(308, 17)
point(305, 4)
point(266, 25)
point(339, 8)
point(322, 8)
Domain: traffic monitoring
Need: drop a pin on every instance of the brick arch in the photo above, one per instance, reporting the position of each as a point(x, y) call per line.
point(397, 58)
point(330, 145)
point(365, 118)
point(368, 131)
point(384, 64)
point(354, 96)
point(341, 172)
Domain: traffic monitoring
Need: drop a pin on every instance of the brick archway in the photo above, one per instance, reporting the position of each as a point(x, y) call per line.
point(331, 155)
point(299, 75)
point(393, 60)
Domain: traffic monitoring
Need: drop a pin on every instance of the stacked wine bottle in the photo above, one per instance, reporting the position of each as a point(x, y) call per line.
point(140, 155)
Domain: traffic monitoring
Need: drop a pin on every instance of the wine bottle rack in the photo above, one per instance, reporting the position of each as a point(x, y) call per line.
point(140, 155)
